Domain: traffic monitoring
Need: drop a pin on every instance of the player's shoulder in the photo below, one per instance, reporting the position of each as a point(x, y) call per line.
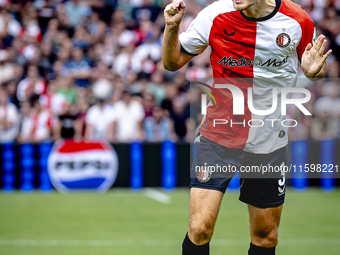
point(217, 7)
point(295, 12)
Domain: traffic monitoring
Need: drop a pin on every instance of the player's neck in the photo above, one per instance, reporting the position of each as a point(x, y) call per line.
point(260, 9)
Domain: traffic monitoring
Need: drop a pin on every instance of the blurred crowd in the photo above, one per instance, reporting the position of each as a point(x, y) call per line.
point(92, 69)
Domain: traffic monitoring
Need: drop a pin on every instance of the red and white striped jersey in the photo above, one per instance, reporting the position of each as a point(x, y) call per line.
point(260, 53)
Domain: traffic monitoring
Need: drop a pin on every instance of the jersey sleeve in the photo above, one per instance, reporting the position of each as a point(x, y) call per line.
point(308, 36)
point(196, 38)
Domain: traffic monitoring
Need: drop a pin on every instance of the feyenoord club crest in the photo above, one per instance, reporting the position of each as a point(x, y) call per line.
point(283, 39)
point(204, 174)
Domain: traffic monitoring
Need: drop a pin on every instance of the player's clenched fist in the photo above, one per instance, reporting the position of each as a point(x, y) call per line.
point(174, 12)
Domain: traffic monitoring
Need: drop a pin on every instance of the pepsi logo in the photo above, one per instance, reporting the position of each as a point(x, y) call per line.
point(79, 166)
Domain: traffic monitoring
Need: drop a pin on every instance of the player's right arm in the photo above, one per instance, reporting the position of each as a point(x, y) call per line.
point(172, 55)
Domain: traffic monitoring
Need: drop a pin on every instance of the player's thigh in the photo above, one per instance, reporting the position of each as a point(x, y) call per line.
point(264, 189)
point(204, 207)
point(264, 224)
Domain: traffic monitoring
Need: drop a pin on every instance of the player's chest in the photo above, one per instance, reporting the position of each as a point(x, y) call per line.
point(237, 42)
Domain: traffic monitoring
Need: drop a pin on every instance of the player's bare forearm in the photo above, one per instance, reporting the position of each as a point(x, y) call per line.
point(313, 62)
point(173, 58)
point(171, 48)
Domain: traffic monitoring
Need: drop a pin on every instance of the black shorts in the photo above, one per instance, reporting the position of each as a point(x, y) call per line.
point(262, 181)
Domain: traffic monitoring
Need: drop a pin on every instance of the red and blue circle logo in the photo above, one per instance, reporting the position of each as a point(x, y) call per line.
point(81, 166)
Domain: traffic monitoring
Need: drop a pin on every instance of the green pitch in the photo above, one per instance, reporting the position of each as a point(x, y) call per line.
point(121, 222)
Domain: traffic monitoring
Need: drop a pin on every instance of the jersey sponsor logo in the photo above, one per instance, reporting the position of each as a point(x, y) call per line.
point(76, 166)
point(257, 61)
point(229, 35)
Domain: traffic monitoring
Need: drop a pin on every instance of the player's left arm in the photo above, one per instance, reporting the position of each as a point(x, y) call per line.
point(313, 60)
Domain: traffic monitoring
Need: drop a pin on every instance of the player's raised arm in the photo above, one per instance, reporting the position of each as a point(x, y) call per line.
point(173, 57)
point(313, 61)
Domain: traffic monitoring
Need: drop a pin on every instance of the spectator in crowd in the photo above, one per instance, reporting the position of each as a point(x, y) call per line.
point(198, 71)
point(47, 57)
point(53, 101)
point(101, 71)
point(51, 32)
point(24, 123)
point(146, 10)
point(157, 127)
point(65, 87)
point(11, 89)
point(96, 27)
point(180, 115)
point(124, 61)
point(38, 127)
point(66, 126)
point(128, 119)
point(77, 68)
point(9, 119)
point(301, 130)
point(9, 27)
point(100, 116)
point(76, 11)
point(7, 70)
point(156, 86)
point(31, 31)
point(148, 103)
point(33, 84)
point(171, 92)
point(323, 126)
point(81, 38)
point(148, 52)
point(82, 108)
